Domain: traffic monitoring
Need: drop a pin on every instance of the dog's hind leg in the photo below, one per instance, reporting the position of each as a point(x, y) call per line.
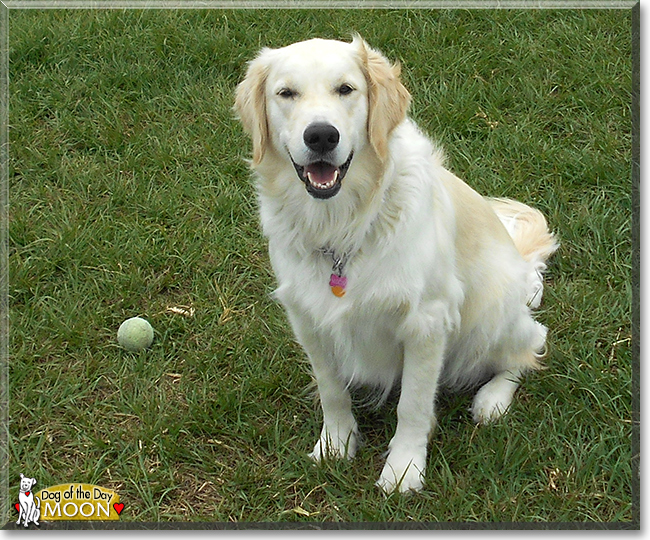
point(494, 397)
point(36, 511)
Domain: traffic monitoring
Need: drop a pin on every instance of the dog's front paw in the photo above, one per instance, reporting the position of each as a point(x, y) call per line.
point(403, 472)
point(336, 445)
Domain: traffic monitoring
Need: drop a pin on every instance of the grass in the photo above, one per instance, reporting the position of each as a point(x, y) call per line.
point(129, 195)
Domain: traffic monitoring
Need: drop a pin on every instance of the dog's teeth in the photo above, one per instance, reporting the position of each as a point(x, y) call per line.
point(327, 185)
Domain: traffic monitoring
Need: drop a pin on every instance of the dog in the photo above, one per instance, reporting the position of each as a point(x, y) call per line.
point(29, 505)
point(393, 272)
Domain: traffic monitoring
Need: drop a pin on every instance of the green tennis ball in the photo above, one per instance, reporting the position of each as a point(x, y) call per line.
point(135, 334)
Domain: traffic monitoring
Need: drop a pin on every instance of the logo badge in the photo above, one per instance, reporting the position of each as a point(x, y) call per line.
point(81, 502)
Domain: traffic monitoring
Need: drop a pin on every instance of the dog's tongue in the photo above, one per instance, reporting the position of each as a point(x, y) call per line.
point(321, 174)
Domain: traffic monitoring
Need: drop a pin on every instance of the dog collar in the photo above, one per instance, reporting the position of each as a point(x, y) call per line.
point(338, 282)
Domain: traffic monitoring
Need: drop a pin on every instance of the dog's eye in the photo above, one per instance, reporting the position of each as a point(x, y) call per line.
point(287, 93)
point(345, 89)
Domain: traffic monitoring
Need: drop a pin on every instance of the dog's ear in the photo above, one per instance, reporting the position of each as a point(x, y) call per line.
point(33, 482)
point(388, 99)
point(250, 104)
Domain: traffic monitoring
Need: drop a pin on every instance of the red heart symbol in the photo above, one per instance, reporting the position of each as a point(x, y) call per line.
point(17, 505)
point(118, 507)
point(27, 493)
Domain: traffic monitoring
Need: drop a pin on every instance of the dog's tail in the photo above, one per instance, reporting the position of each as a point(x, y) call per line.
point(529, 231)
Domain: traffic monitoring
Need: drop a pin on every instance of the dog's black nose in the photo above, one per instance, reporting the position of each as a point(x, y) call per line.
point(321, 137)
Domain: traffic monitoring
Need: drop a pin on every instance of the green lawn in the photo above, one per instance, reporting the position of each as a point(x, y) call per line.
point(129, 195)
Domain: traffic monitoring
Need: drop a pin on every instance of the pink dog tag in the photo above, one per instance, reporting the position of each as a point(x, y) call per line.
point(338, 284)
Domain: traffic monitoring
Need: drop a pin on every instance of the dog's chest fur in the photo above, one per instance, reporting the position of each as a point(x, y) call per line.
point(359, 329)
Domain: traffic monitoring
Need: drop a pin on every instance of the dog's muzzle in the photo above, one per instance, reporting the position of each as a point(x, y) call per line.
point(321, 177)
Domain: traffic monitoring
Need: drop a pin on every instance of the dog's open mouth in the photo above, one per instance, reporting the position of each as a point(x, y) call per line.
point(323, 179)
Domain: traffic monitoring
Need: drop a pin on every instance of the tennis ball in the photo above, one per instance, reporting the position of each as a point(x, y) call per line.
point(135, 334)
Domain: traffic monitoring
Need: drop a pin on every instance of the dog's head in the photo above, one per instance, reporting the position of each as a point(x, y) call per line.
point(317, 103)
point(26, 483)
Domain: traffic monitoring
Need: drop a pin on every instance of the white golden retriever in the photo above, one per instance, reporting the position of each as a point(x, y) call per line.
point(391, 269)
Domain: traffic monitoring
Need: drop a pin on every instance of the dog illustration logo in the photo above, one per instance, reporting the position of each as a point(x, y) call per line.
point(29, 506)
